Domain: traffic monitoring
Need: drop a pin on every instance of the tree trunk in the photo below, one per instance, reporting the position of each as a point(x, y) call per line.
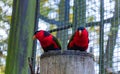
point(20, 37)
point(67, 62)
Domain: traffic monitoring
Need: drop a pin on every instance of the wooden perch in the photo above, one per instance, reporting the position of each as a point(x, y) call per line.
point(66, 62)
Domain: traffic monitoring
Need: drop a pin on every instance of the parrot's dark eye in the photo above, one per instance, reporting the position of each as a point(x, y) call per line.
point(36, 32)
point(81, 28)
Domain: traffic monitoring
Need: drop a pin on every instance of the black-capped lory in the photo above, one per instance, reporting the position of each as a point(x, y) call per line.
point(47, 40)
point(79, 40)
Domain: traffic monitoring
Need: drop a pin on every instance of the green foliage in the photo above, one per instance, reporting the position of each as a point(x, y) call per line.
point(9, 2)
point(0, 13)
point(53, 27)
point(8, 18)
point(4, 12)
point(71, 18)
point(44, 8)
point(0, 9)
point(90, 19)
point(2, 69)
point(4, 18)
point(92, 28)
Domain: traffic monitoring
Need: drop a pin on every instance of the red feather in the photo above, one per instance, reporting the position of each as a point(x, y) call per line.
point(46, 40)
point(79, 42)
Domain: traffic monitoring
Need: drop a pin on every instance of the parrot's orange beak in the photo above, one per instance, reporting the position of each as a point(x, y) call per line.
point(80, 32)
point(34, 37)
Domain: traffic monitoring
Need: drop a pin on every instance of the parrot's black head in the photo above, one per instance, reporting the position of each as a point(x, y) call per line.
point(81, 28)
point(36, 32)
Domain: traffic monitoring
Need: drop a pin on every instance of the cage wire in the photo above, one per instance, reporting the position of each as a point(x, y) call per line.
point(100, 17)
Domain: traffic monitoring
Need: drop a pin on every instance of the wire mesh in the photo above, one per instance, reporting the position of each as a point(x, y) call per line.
point(100, 17)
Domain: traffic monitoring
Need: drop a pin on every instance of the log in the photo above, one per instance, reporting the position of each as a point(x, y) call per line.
point(66, 62)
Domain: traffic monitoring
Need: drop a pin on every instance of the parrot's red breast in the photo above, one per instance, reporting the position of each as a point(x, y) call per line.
point(79, 42)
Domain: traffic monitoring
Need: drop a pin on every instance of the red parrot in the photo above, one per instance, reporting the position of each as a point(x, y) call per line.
point(79, 40)
point(48, 41)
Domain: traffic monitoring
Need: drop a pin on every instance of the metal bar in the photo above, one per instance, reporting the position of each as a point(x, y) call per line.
point(59, 23)
point(75, 10)
point(35, 41)
point(101, 39)
point(67, 9)
point(66, 21)
point(60, 28)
